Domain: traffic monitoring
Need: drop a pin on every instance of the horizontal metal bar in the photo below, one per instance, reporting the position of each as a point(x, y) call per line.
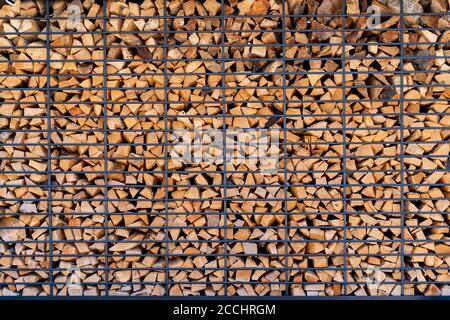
point(269, 101)
point(268, 199)
point(239, 129)
point(226, 31)
point(219, 115)
point(230, 133)
point(114, 296)
point(221, 255)
point(273, 129)
point(268, 269)
point(187, 171)
point(230, 185)
point(230, 282)
point(295, 59)
point(230, 87)
point(324, 44)
point(207, 172)
point(231, 241)
point(272, 143)
point(233, 227)
point(221, 213)
point(53, 17)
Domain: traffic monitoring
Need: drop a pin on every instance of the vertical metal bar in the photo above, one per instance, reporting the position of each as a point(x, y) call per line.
point(402, 151)
point(285, 177)
point(344, 143)
point(49, 148)
point(166, 155)
point(105, 141)
point(224, 128)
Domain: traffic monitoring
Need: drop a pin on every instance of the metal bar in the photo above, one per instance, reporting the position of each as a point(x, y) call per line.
point(49, 148)
point(402, 151)
point(225, 162)
point(106, 144)
point(344, 139)
point(166, 165)
point(285, 176)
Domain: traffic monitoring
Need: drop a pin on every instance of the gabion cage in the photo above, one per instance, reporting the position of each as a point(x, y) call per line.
point(219, 148)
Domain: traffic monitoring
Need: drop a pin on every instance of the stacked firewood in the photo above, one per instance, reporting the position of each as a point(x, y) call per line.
point(117, 177)
point(24, 221)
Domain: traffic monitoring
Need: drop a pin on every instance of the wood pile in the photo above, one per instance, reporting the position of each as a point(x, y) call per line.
point(358, 203)
point(24, 211)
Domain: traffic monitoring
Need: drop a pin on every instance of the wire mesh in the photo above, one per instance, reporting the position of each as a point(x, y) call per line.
point(131, 161)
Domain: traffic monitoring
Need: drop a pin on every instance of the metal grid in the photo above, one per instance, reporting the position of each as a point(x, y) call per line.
point(64, 204)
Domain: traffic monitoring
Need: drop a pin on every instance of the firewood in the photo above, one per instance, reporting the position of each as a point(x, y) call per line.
point(361, 169)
